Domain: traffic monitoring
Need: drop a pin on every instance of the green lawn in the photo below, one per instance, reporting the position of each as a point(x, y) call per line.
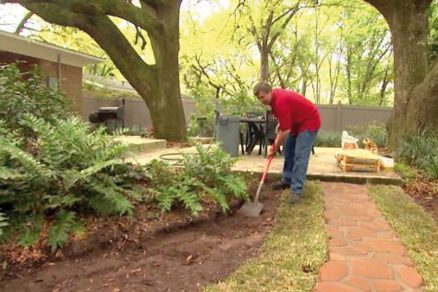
point(416, 229)
point(292, 254)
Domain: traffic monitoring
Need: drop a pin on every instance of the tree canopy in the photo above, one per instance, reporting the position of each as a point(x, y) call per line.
point(332, 51)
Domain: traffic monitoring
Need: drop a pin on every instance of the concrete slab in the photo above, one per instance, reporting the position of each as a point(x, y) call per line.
point(139, 144)
point(322, 166)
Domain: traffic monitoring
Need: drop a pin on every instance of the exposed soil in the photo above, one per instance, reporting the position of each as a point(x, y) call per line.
point(175, 255)
point(423, 191)
point(425, 194)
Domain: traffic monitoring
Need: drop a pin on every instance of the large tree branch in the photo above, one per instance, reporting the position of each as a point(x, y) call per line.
point(142, 17)
point(23, 22)
point(105, 33)
point(384, 6)
point(274, 38)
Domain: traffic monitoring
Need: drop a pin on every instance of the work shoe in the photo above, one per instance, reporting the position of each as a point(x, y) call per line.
point(280, 185)
point(294, 198)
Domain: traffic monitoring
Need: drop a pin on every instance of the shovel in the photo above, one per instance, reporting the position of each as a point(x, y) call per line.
point(253, 209)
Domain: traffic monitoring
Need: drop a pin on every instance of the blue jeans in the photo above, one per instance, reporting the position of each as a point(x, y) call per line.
point(296, 159)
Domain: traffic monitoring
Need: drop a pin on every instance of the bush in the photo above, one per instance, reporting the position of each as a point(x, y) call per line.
point(374, 131)
point(421, 152)
point(63, 170)
point(25, 93)
point(205, 175)
point(328, 139)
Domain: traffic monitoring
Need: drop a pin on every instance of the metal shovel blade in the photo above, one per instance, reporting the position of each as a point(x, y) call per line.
point(251, 209)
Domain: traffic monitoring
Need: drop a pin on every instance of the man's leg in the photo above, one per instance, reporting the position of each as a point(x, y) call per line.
point(289, 153)
point(303, 147)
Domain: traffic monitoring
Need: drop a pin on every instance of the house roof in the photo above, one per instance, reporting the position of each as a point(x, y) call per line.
point(16, 44)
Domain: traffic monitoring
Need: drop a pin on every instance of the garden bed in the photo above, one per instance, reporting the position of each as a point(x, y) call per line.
point(154, 252)
point(425, 193)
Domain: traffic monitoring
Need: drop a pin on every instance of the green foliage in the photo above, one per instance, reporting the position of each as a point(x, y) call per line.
point(374, 131)
point(415, 227)
point(328, 139)
point(421, 152)
point(64, 224)
point(24, 93)
point(3, 222)
point(63, 169)
point(138, 131)
point(405, 171)
point(205, 175)
point(433, 28)
point(334, 51)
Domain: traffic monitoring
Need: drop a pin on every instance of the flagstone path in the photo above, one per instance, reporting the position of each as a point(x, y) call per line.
point(365, 253)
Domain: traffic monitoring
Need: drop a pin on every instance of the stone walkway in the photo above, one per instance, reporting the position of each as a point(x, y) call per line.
point(365, 253)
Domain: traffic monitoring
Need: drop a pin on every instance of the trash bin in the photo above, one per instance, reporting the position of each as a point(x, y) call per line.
point(227, 131)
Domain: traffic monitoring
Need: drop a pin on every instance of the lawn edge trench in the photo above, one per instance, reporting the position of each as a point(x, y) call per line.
point(291, 256)
point(416, 229)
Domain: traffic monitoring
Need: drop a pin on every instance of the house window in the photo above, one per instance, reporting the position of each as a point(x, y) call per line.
point(52, 82)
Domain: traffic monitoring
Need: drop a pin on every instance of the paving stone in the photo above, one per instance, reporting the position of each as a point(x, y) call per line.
point(410, 277)
point(331, 214)
point(394, 259)
point(349, 251)
point(335, 242)
point(370, 269)
point(387, 286)
point(336, 256)
point(386, 245)
point(333, 271)
point(365, 253)
point(357, 233)
point(358, 282)
point(334, 287)
point(334, 232)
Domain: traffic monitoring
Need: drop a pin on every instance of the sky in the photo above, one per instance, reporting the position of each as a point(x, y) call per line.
point(11, 14)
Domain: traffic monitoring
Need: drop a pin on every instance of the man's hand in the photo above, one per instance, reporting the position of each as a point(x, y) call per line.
point(272, 151)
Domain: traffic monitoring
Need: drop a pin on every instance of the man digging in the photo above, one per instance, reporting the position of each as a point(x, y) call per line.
point(299, 121)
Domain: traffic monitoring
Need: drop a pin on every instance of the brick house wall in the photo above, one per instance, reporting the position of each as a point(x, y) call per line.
point(71, 77)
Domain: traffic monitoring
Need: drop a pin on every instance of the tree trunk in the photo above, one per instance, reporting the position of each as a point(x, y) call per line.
point(166, 110)
point(157, 84)
point(409, 28)
point(415, 103)
point(264, 64)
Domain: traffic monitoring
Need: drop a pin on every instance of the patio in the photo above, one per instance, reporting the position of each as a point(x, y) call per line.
point(322, 165)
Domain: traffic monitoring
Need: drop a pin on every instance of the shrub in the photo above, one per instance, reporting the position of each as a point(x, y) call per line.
point(328, 139)
point(374, 131)
point(25, 93)
point(64, 170)
point(205, 175)
point(421, 152)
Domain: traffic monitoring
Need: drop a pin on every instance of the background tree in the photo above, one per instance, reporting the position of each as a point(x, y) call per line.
point(157, 82)
point(367, 43)
point(416, 82)
point(266, 21)
point(223, 72)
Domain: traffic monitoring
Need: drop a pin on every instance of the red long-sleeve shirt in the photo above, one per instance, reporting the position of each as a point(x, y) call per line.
point(294, 112)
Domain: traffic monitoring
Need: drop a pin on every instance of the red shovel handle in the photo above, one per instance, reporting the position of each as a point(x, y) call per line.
point(267, 168)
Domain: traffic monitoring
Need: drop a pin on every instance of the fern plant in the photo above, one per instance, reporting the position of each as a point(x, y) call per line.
point(205, 176)
point(3, 222)
point(69, 170)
